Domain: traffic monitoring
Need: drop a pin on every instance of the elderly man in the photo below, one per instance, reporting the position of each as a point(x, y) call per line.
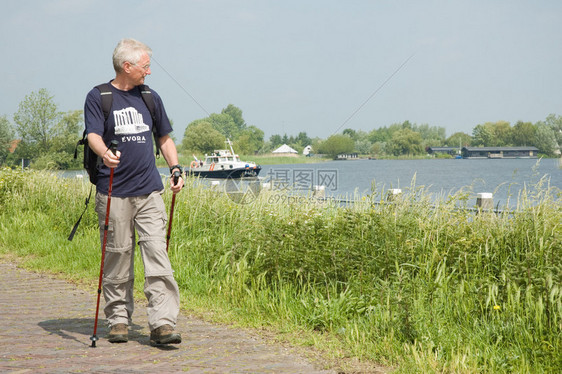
point(136, 206)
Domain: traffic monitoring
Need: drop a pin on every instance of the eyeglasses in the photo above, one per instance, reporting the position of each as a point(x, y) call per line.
point(145, 67)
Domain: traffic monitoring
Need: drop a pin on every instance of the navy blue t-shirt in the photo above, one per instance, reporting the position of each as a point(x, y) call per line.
point(130, 123)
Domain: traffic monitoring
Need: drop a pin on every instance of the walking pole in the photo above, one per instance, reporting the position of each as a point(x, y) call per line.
point(176, 177)
point(113, 148)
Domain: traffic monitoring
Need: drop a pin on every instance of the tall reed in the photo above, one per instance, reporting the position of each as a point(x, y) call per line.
point(412, 283)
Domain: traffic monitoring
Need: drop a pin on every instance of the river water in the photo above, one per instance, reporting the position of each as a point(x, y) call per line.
point(504, 178)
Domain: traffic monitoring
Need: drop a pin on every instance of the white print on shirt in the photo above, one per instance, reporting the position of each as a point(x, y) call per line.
point(134, 138)
point(129, 121)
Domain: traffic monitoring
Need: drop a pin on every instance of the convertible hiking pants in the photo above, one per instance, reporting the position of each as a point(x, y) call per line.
point(147, 216)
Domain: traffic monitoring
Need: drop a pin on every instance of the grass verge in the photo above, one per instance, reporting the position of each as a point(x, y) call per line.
point(408, 284)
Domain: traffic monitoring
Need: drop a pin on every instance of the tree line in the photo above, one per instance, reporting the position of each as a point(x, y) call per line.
point(400, 139)
point(41, 133)
point(413, 140)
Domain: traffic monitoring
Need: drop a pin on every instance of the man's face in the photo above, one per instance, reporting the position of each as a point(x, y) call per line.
point(140, 70)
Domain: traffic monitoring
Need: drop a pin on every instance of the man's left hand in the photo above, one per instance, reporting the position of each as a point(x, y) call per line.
point(176, 187)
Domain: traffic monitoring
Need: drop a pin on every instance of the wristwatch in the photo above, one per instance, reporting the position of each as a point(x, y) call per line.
point(176, 167)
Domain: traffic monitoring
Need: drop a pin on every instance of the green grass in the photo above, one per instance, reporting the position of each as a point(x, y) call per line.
point(409, 284)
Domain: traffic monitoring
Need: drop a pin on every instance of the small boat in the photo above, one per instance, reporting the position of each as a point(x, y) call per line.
point(223, 163)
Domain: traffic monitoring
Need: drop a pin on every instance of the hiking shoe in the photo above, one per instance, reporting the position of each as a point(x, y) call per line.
point(164, 335)
point(118, 333)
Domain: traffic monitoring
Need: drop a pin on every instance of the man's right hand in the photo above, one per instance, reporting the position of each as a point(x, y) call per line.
point(110, 159)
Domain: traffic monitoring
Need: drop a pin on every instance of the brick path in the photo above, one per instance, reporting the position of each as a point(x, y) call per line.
point(46, 324)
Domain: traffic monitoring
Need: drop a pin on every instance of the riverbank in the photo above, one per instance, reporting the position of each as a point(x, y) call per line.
point(398, 283)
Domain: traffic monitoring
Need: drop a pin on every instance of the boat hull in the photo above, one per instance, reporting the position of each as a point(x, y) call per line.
point(226, 173)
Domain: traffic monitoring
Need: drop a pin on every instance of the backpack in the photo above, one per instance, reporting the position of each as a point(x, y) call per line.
point(91, 160)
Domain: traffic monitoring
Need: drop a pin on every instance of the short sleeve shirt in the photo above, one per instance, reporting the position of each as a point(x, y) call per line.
point(130, 123)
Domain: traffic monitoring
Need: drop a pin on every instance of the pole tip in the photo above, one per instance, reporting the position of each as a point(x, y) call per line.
point(93, 339)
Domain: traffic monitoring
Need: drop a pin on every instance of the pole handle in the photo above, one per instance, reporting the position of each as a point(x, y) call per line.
point(176, 177)
point(113, 146)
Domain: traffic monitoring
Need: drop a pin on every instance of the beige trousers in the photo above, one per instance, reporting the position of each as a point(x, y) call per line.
point(147, 216)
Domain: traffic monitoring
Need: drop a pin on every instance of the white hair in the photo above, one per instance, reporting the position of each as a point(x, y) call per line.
point(129, 50)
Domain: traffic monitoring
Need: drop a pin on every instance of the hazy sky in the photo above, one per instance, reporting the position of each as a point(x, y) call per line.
point(296, 66)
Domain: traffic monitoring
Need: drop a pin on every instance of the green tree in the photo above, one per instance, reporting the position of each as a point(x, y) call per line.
point(249, 141)
point(224, 124)
point(381, 134)
point(302, 139)
point(431, 135)
point(35, 121)
point(236, 114)
point(482, 136)
point(6, 138)
point(545, 139)
point(493, 134)
point(459, 139)
point(201, 136)
point(276, 140)
point(384, 134)
point(335, 145)
point(503, 133)
point(363, 146)
point(405, 142)
point(406, 125)
point(555, 123)
point(523, 133)
point(66, 132)
point(351, 133)
point(378, 148)
point(60, 151)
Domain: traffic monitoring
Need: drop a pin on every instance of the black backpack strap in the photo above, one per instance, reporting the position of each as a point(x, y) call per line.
point(106, 98)
point(71, 236)
point(148, 99)
point(79, 143)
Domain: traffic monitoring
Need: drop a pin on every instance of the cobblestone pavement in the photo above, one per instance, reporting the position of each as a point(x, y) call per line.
point(46, 325)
